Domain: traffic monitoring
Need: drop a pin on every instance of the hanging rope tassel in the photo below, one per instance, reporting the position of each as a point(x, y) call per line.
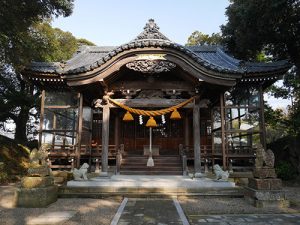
point(151, 122)
point(150, 161)
point(175, 115)
point(128, 117)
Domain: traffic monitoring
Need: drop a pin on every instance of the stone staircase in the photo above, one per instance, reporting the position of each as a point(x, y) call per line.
point(163, 165)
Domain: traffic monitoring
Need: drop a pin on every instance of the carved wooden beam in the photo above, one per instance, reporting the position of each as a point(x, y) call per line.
point(145, 103)
point(177, 85)
point(151, 66)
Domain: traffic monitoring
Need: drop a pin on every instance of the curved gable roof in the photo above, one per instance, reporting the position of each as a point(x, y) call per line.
point(213, 59)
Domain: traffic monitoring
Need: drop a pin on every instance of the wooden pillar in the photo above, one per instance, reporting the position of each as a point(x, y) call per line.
point(212, 135)
point(196, 135)
point(42, 117)
point(117, 130)
point(186, 130)
point(105, 140)
point(262, 118)
point(223, 130)
point(54, 128)
point(79, 129)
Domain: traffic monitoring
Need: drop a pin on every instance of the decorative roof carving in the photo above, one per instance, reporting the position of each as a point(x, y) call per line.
point(151, 66)
point(151, 31)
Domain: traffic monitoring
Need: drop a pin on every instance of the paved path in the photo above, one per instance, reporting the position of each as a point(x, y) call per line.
point(252, 219)
point(167, 211)
point(151, 211)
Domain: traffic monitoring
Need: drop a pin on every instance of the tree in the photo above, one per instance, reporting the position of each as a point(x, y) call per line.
point(44, 43)
point(19, 45)
point(271, 27)
point(199, 38)
point(16, 19)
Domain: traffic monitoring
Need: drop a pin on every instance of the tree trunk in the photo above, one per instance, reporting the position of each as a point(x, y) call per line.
point(21, 121)
point(23, 116)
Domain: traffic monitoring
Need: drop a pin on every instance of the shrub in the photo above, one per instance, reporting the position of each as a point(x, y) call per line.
point(285, 170)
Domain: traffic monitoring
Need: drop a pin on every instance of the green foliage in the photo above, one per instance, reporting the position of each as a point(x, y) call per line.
point(25, 36)
point(285, 170)
point(16, 19)
point(83, 41)
point(15, 160)
point(57, 45)
point(268, 25)
point(20, 43)
point(290, 90)
point(3, 177)
point(199, 38)
point(269, 29)
point(277, 123)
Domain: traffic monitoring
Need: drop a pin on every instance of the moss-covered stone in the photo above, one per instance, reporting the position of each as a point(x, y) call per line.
point(37, 182)
point(36, 197)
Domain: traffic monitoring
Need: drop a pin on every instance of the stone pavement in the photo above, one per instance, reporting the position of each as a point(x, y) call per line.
point(152, 181)
point(163, 211)
point(150, 211)
point(246, 219)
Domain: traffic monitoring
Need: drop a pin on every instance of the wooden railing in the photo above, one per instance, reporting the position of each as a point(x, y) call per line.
point(236, 152)
point(187, 151)
point(206, 151)
point(68, 154)
point(61, 151)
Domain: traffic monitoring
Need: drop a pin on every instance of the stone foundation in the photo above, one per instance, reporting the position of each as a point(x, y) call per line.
point(265, 184)
point(266, 198)
point(265, 190)
point(264, 173)
point(36, 197)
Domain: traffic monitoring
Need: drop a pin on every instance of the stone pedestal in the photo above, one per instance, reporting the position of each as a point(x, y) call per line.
point(36, 197)
point(264, 173)
point(265, 189)
point(37, 188)
point(36, 192)
point(266, 198)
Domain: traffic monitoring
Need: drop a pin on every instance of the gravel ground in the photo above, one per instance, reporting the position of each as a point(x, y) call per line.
point(101, 211)
point(216, 205)
point(89, 211)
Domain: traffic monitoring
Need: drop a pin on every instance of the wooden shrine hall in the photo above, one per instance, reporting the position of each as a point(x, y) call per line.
point(155, 98)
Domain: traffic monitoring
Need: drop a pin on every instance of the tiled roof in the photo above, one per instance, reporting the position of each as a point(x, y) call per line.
point(213, 58)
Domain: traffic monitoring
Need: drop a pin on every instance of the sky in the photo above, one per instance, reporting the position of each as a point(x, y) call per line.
point(115, 22)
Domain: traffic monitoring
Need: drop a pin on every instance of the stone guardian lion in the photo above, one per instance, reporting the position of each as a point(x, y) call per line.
point(220, 174)
point(81, 174)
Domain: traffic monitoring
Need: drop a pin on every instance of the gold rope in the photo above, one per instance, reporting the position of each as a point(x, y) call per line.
point(152, 112)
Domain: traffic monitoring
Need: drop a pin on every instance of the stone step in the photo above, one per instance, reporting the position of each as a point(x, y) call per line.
point(163, 165)
point(150, 172)
point(140, 170)
point(144, 166)
point(155, 164)
point(139, 192)
point(155, 159)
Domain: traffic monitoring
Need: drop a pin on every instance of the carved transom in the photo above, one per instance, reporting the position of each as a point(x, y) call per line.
point(151, 31)
point(151, 66)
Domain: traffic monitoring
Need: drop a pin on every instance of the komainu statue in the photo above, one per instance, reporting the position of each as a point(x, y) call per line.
point(80, 174)
point(38, 162)
point(220, 174)
point(264, 158)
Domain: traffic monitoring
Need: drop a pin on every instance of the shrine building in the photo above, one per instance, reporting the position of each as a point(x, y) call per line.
point(120, 105)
